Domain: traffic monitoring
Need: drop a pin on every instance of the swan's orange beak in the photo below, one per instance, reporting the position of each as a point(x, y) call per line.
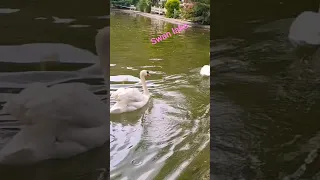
point(148, 75)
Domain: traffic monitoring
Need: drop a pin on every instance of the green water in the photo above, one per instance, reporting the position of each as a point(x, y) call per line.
point(171, 133)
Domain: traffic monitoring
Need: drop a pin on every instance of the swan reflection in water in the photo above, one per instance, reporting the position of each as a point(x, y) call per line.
point(59, 122)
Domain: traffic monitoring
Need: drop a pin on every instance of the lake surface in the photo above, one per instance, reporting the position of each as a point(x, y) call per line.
point(49, 42)
point(265, 105)
point(168, 139)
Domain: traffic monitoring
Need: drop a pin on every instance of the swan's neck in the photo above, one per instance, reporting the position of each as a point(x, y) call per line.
point(144, 86)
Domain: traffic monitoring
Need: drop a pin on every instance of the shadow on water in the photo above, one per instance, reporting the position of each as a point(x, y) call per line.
point(48, 41)
point(264, 105)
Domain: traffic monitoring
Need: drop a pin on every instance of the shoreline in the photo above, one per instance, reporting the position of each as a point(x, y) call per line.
point(159, 17)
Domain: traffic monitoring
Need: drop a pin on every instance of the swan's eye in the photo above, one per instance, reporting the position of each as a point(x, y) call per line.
point(148, 73)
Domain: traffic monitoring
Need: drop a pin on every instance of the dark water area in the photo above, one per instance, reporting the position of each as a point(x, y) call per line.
point(21, 27)
point(231, 17)
point(51, 42)
point(264, 100)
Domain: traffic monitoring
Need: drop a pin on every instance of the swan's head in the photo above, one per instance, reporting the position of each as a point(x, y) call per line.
point(102, 43)
point(144, 73)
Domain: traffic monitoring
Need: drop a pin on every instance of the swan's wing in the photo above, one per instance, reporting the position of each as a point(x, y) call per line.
point(115, 94)
point(205, 70)
point(88, 137)
point(299, 34)
point(42, 141)
point(29, 145)
point(68, 122)
point(17, 105)
point(130, 95)
point(129, 100)
point(73, 104)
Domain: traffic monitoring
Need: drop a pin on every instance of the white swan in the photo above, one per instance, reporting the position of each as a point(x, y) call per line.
point(59, 121)
point(305, 29)
point(205, 70)
point(131, 99)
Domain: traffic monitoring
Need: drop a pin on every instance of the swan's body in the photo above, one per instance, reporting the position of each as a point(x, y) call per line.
point(130, 99)
point(205, 70)
point(59, 121)
point(64, 120)
point(305, 29)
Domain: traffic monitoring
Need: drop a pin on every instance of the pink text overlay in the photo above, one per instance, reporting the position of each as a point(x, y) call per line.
point(177, 30)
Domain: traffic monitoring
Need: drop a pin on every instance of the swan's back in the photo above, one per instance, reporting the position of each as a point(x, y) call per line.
point(205, 70)
point(305, 29)
point(129, 95)
point(128, 100)
point(115, 94)
point(73, 103)
point(18, 105)
point(63, 121)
